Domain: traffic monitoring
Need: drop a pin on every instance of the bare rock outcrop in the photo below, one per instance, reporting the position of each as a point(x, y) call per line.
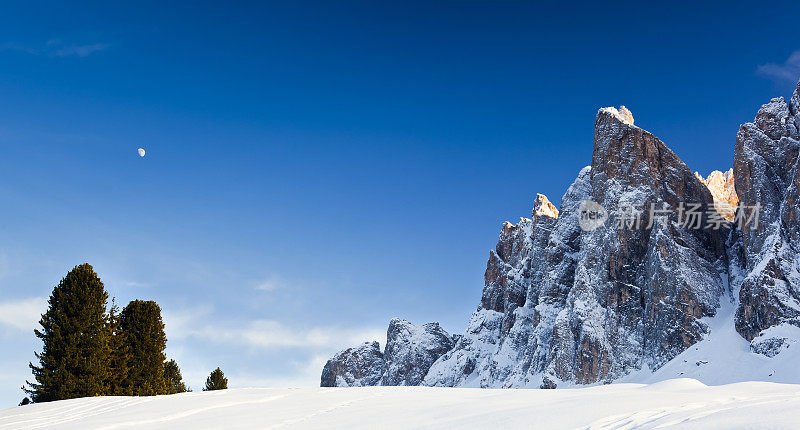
point(361, 366)
point(410, 351)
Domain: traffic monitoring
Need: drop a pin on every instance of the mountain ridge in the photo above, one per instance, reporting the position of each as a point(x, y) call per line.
point(567, 305)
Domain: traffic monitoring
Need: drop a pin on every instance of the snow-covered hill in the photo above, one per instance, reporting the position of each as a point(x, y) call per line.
point(678, 403)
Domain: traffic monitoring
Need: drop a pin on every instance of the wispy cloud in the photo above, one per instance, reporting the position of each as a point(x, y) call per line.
point(136, 284)
point(788, 71)
point(182, 323)
point(56, 48)
point(265, 334)
point(268, 334)
point(80, 50)
point(22, 314)
point(272, 283)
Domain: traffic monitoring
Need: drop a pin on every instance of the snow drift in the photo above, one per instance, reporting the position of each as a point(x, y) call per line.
point(684, 403)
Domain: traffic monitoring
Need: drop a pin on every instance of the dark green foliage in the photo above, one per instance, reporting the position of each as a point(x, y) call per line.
point(89, 351)
point(25, 401)
point(74, 361)
point(119, 355)
point(216, 381)
point(142, 331)
point(173, 378)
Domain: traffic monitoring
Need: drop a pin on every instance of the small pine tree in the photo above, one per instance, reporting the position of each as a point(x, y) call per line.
point(142, 330)
point(74, 358)
point(173, 378)
point(216, 381)
point(25, 401)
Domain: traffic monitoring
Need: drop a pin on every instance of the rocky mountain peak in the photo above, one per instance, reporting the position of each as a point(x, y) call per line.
point(410, 351)
point(622, 114)
point(542, 206)
point(723, 190)
point(767, 179)
point(361, 366)
point(563, 304)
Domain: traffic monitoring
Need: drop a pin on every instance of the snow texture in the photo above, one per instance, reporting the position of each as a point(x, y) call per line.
point(678, 403)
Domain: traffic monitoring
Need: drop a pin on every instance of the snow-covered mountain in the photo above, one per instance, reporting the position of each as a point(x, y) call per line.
point(644, 297)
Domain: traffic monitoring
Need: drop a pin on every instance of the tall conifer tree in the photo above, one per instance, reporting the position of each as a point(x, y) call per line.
point(74, 361)
point(142, 329)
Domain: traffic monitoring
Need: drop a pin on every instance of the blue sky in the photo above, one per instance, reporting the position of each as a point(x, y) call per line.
point(314, 169)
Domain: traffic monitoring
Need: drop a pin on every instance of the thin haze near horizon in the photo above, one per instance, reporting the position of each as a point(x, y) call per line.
point(314, 169)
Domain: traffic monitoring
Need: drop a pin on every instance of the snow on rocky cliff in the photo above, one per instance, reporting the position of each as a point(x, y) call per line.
point(766, 174)
point(410, 351)
point(565, 306)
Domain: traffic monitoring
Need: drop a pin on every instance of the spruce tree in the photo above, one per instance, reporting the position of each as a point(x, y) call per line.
point(74, 361)
point(119, 355)
point(173, 378)
point(142, 331)
point(216, 381)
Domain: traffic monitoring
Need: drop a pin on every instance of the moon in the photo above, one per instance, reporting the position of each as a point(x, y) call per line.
point(141, 152)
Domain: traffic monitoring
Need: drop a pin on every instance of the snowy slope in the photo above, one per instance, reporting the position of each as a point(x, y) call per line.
point(678, 403)
point(724, 357)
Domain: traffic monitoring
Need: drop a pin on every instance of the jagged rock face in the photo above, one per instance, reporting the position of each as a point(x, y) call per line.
point(564, 304)
point(764, 158)
point(513, 263)
point(473, 361)
point(507, 271)
point(598, 304)
point(411, 350)
point(354, 367)
point(653, 283)
point(766, 173)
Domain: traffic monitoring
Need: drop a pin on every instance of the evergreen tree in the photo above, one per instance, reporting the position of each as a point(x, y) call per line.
point(173, 378)
point(142, 331)
point(25, 401)
point(216, 381)
point(74, 361)
point(119, 355)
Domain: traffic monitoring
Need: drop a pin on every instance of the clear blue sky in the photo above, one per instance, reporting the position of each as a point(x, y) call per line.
point(314, 169)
